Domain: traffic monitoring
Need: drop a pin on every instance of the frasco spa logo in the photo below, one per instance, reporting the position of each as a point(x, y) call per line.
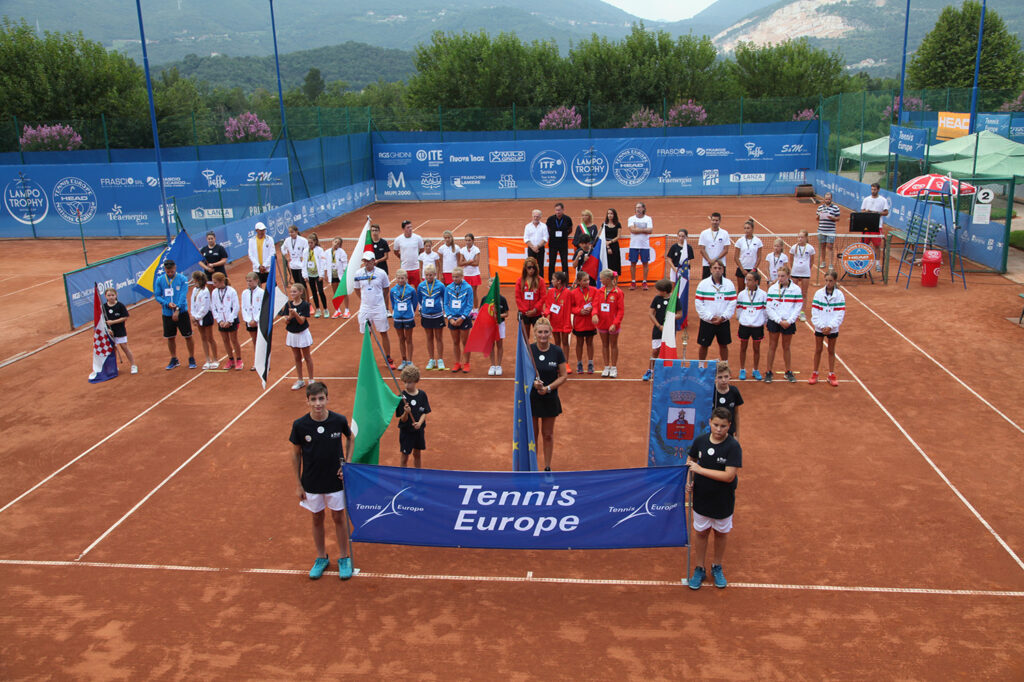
point(26, 201)
point(589, 167)
point(548, 168)
point(631, 167)
point(74, 200)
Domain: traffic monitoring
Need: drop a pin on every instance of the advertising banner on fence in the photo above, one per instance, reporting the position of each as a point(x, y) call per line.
point(682, 394)
point(755, 164)
point(611, 509)
point(953, 124)
point(506, 255)
point(911, 142)
point(123, 199)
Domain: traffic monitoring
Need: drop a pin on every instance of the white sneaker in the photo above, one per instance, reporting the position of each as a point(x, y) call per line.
point(490, 371)
point(613, 372)
point(135, 369)
point(606, 371)
point(497, 370)
point(298, 385)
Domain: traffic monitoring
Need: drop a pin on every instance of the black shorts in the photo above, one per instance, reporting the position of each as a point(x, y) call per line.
point(714, 332)
point(774, 328)
point(183, 325)
point(584, 333)
point(545, 405)
point(233, 327)
point(262, 276)
point(756, 333)
point(207, 320)
point(298, 276)
point(432, 322)
point(741, 273)
point(823, 334)
point(404, 324)
point(412, 439)
point(466, 325)
point(705, 271)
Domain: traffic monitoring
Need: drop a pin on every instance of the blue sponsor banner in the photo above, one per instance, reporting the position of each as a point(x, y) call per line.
point(678, 166)
point(682, 394)
point(911, 142)
point(994, 123)
point(517, 510)
point(1017, 127)
point(123, 199)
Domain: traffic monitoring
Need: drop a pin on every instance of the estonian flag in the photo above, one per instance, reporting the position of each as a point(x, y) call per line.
point(273, 299)
point(104, 359)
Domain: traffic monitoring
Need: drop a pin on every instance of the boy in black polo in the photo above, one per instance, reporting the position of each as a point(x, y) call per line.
point(318, 453)
point(714, 459)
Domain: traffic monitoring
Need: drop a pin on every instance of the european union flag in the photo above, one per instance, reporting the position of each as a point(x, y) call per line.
point(524, 444)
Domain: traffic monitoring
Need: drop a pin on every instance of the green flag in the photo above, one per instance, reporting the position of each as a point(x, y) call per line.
point(375, 405)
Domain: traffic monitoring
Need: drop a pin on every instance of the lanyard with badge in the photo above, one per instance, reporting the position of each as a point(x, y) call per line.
point(556, 307)
point(403, 294)
point(428, 301)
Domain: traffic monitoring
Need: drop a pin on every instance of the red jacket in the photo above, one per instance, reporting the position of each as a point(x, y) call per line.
point(538, 296)
point(583, 321)
point(562, 320)
point(616, 308)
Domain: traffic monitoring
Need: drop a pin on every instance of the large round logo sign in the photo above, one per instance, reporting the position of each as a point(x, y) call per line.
point(548, 168)
point(589, 167)
point(631, 167)
point(858, 258)
point(25, 199)
point(74, 200)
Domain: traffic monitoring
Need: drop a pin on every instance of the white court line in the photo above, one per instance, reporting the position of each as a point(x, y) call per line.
point(928, 459)
point(207, 444)
point(11, 293)
point(588, 377)
point(528, 578)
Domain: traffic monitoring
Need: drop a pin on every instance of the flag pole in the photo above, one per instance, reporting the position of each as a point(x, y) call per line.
point(526, 336)
point(373, 332)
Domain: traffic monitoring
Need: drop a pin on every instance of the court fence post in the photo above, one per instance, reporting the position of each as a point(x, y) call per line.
point(106, 138)
point(741, 114)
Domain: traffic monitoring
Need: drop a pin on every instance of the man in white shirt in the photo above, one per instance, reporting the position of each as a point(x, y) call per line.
point(261, 251)
point(876, 203)
point(295, 251)
point(535, 234)
point(408, 247)
point(713, 244)
point(640, 228)
point(371, 283)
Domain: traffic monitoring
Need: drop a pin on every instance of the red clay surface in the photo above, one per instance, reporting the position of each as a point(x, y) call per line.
point(851, 557)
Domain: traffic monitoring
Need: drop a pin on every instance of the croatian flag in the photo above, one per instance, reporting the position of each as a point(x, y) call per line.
point(598, 260)
point(104, 359)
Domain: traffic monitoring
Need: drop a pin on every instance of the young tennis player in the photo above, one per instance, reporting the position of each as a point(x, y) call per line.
point(225, 315)
point(727, 395)
point(428, 257)
point(530, 292)
point(200, 310)
point(678, 254)
point(317, 455)
point(550, 363)
point(557, 307)
point(776, 259)
point(458, 308)
point(403, 303)
point(784, 304)
point(431, 297)
point(803, 266)
point(583, 298)
point(116, 313)
point(499, 344)
point(339, 264)
point(412, 417)
point(748, 253)
point(827, 312)
point(659, 305)
point(752, 304)
point(608, 320)
point(298, 339)
point(251, 305)
point(316, 273)
point(469, 261)
point(449, 253)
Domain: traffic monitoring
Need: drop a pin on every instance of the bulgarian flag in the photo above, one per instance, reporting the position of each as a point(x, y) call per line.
point(374, 406)
point(485, 330)
point(668, 330)
point(346, 284)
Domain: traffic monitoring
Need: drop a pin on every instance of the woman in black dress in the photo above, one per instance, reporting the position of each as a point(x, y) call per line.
point(550, 362)
point(612, 227)
point(586, 227)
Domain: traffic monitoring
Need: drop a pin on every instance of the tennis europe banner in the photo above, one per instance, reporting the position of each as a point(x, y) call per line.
point(682, 393)
point(612, 509)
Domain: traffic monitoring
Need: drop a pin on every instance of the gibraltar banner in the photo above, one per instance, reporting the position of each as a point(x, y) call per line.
point(682, 394)
point(618, 508)
point(505, 256)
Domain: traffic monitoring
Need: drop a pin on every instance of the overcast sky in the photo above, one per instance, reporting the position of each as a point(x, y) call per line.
point(661, 10)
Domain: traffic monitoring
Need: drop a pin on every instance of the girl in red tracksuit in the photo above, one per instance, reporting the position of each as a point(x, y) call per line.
point(609, 308)
point(584, 299)
point(558, 309)
point(530, 290)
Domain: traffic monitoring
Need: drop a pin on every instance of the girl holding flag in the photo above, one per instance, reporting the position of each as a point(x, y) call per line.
point(607, 318)
point(583, 297)
point(431, 297)
point(660, 333)
point(251, 304)
point(550, 363)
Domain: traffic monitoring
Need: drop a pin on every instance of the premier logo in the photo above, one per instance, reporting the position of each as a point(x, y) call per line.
point(392, 508)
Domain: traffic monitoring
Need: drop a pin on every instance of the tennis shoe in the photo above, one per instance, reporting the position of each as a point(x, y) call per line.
point(632, 286)
point(191, 363)
point(756, 375)
point(440, 364)
point(238, 364)
point(457, 367)
point(317, 314)
point(135, 369)
point(319, 566)
point(391, 363)
point(697, 578)
point(743, 375)
point(579, 368)
point(345, 568)
point(173, 363)
point(768, 377)
point(803, 316)
point(647, 375)
point(430, 363)
point(718, 575)
point(490, 371)
point(590, 368)
point(465, 368)
point(814, 378)
point(790, 377)
point(298, 385)
point(253, 368)
point(498, 371)
point(833, 380)
point(645, 286)
point(346, 314)
point(336, 315)
point(614, 373)
point(606, 371)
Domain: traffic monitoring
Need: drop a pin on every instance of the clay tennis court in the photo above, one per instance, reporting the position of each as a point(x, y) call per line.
point(149, 529)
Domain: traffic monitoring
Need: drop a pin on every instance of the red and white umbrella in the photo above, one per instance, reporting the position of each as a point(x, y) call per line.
point(933, 184)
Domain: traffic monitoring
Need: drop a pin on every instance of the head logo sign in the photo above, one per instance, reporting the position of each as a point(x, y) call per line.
point(631, 167)
point(25, 199)
point(858, 258)
point(74, 200)
point(953, 124)
point(589, 167)
point(548, 168)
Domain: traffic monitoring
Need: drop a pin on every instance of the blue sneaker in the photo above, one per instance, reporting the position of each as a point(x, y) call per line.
point(345, 568)
point(743, 375)
point(430, 363)
point(697, 578)
point(319, 566)
point(756, 375)
point(647, 375)
point(718, 575)
point(192, 363)
point(173, 363)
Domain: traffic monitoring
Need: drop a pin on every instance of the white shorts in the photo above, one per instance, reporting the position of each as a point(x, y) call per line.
point(380, 321)
point(655, 344)
point(301, 339)
point(701, 523)
point(120, 339)
point(316, 502)
point(501, 330)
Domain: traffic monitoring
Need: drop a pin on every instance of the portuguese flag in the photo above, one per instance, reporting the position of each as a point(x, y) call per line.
point(485, 330)
point(346, 283)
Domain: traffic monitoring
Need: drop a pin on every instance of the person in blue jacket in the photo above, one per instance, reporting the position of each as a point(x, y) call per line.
point(404, 301)
point(458, 306)
point(171, 292)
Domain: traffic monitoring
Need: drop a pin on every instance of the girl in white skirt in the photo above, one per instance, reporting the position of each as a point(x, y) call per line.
point(299, 339)
point(200, 309)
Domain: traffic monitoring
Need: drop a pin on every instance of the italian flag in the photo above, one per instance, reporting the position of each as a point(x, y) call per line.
point(485, 330)
point(347, 283)
point(668, 330)
point(374, 406)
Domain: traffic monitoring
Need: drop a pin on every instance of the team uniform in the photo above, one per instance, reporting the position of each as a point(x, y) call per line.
point(410, 438)
point(748, 250)
point(784, 305)
point(321, 446)
point(640, 244)
point(676, 257)
point(610, 309)
point(826, 224)
point(659, 305)
point(408, 249)
point(714, 501)
point(470, 273)
point(730, 399)
point(431, 300)
point(298, 334)
point(380, 252)
point(715, 242)
point(116, 315)
point(547, 362)
point(715, 300)
point(557, 307)
point(404, 301)
point(583, 321)
point(250, 305)
point(753, 313)
point(261, 254)
point(449, 261)
point(774, 263)
point(199, 307)
point(296, 250)
point(828, 310)
point(530, 299)
point(317, 267)
point(801, 260)
point(458, 302)
point(427, 258)
point(176, 292)
point(213, 254)
point(372, 306)
point(224, 305)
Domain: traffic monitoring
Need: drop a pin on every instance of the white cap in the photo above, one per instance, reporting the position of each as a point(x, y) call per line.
point(260, 226)
point(368, 255)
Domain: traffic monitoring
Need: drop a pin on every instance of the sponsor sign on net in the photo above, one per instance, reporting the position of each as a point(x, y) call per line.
point(666, 178)
point(507, 156)
point(746, 177)
point(710, 177)
point(391, 158)
point(74, 200)
point(431, 157)
point(713, 151)
point(589, 168)
point(462, 181)
point(201, 213)
point(631, 167)
point(465, 158)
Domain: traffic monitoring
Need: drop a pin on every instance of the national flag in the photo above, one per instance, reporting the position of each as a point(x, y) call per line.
point(668, 330)
point(374, 406)
point(104, 359)
point(524, 442)
point(273, 300)
point(347, 284)
point(598, 260)
point(485, 330)
point(684, 294)
point(182, 251)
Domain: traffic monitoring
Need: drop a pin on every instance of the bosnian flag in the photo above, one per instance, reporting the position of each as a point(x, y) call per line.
point(668, 330)
point(598, 260)
point(104, 359)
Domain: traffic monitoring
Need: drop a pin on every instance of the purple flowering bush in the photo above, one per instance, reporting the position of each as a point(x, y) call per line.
point(562, 118)
point(913, 104)
point(1014, 105)
point(644, 118)
point(687, 113)
point(246, 127)
point(46, 138)
point(805, 115)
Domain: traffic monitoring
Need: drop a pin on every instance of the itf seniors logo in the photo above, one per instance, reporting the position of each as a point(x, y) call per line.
point(25, 199)
point(589, 167)
point(74, 200)
point(548, 168)
point(631, 167)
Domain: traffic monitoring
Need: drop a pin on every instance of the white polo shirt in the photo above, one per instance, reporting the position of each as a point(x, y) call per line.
point(714, 243)
point(372, 290)
point(642, 240)
point(408, 249)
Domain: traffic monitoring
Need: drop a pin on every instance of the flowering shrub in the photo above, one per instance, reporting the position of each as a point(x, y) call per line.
point(1014, 105)
point(805, 115)
point(913, 104)
point(246, 127)
point(644, 118)
point(561, 118)
point(687, 113)
point(49, 138)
